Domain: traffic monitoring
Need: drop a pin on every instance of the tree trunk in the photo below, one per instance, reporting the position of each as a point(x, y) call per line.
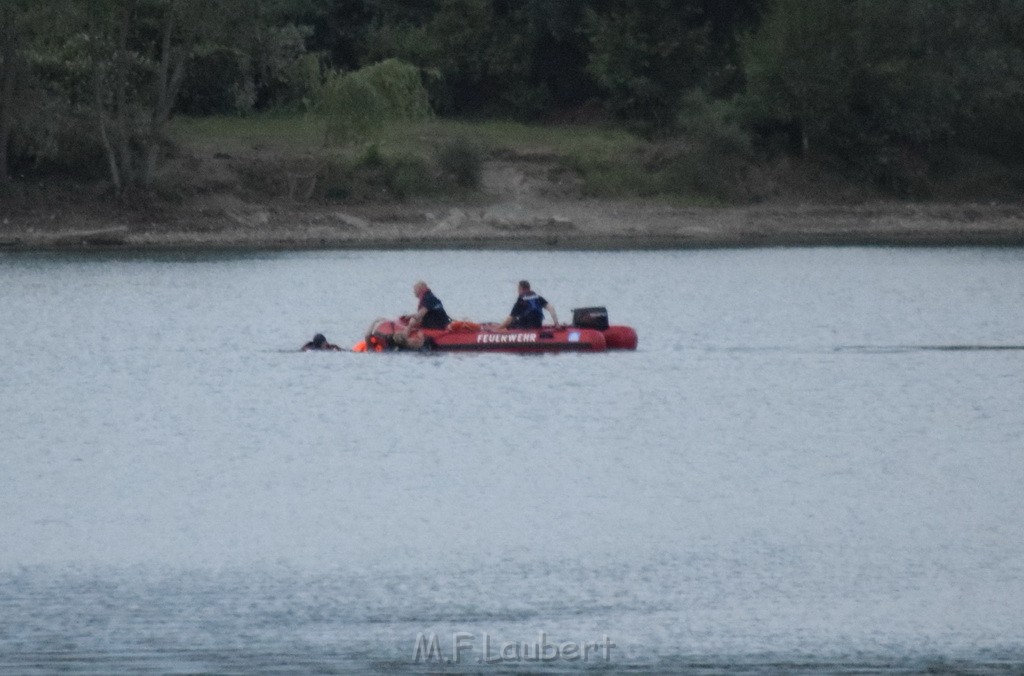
point(166, 87)
point(8, 75)
point(108, 148)
point(123, 138)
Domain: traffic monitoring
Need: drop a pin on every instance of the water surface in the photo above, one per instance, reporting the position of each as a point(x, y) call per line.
point(812, 462)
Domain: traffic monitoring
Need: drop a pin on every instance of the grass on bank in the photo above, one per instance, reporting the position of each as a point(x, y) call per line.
point(442, 157)
point(304, 133)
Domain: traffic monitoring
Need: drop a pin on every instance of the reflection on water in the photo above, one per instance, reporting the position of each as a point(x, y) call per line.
point(931, 348)
point(811, 463)
point(871, 349)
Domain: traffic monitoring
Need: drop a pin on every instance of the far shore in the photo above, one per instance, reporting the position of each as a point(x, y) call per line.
point(228, 222)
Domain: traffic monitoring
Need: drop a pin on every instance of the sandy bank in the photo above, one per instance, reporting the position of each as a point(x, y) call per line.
point(560, 224)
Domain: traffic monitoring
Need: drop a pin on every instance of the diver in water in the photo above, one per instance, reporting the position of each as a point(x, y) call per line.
point(319, 342)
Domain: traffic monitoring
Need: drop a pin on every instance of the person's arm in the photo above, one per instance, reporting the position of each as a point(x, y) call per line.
point(554, 316)
point(517, 310)
point(414, 320)
point(373, 328)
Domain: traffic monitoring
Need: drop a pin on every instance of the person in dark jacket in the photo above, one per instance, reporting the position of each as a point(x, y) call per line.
point(430, 312)
point(319, 342)
point(528, 312)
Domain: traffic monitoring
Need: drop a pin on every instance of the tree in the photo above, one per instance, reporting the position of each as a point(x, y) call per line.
point(993, 116)
point(558, 50)
point(28, 31)
point(19, 21)
point(531, 58)
point(513, 58)
point(797, 68)
point(861, 78)
point(9, 52)
point(648, 53)
point(452, 41)
point(139, 50)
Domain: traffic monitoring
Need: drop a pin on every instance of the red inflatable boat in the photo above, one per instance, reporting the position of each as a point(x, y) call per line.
point(464, 336)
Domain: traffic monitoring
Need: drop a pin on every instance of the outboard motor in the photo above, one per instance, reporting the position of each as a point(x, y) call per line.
point(590, 318)
point(615, 337)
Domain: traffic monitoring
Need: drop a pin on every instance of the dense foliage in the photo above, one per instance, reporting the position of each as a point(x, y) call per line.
point(879, 83)
point(357, 103)
point(88, 86)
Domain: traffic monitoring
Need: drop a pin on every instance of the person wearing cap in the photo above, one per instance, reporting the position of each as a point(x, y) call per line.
point(528, 312)
point(319, 342)
point(429, 313)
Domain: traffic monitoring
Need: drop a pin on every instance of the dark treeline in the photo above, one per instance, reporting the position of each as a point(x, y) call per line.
point(88, 87)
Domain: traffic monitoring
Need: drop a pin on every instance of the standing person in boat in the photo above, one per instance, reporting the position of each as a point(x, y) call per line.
point(319, 342)
point(430, 312)
point(528, 312)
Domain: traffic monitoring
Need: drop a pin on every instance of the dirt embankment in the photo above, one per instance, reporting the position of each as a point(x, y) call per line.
point(525, 205)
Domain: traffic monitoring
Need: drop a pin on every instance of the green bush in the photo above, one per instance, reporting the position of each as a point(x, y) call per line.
point(396, 176)
point(216, 83)
point(51, 140)
point(714, 150)
point(375, 176)
point(371, 157)
point(705, 160)
point(285, 75)
point(335, 181)
point(410, 177)
point(360, 103)
point(461, 160)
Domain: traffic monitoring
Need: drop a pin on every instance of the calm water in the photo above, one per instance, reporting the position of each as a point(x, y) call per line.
point(814, 461)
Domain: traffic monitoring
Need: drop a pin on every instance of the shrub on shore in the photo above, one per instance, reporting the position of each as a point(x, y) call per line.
point(462, 160)
point(708, 160)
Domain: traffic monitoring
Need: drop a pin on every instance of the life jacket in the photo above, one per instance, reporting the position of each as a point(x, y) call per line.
point(436, 317)
point(375, 345)
point(533, 316)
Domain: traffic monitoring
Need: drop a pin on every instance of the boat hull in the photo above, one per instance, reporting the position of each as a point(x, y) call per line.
point(618, 337)
point(544, 339)
point(471, 337)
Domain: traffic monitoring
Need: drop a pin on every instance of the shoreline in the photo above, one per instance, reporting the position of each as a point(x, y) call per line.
point(229, 223)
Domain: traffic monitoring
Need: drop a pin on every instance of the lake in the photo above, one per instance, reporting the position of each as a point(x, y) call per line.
point(813, 462)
